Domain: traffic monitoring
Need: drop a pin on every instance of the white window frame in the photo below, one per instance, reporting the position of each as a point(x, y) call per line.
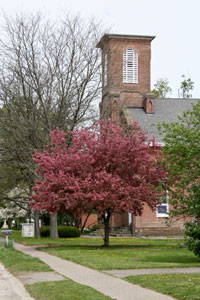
point(165, 204)
point(130, 66)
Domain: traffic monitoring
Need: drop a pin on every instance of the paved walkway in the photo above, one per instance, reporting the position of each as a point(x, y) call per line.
point(11, 288)
point(108, 285)
point(116, 288)
point(135, 272)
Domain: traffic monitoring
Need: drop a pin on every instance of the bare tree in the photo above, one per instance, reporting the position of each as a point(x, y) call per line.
point(49, 77)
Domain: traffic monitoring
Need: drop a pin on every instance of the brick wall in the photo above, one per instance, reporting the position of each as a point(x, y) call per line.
point(114, 48)
point(116, 95)
point(92, 220)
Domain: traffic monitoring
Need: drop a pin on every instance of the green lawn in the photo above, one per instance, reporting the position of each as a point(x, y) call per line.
point(64, 290)
point(94, 241)
point(16, 261)
point(125, 257)
point(179, 286)
point(124, 253)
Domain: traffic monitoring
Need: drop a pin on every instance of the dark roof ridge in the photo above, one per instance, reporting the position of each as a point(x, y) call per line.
point(165, 110)
point(181, 99)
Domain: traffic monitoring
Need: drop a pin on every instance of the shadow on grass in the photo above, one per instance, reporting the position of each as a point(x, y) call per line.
point(179, 257)
point(125, 256)
point(111, 247)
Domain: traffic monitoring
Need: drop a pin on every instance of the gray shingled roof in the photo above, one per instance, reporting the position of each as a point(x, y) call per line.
point(165, 110)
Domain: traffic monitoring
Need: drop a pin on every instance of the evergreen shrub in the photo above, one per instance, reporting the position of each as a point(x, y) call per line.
point(63, 231)
point(192, 234)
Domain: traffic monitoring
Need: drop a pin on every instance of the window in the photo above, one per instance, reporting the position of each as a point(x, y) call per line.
point(162, 210)
point(130, 66)
point(105, 69)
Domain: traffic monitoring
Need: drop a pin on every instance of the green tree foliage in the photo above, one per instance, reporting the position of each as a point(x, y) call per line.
point(193, 237)
point(182, 162)
point(161, 88)
point(187, 85)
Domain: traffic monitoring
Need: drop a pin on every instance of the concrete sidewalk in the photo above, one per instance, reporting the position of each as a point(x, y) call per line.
point(135, 272)
point(11, 288)
point(108, 285)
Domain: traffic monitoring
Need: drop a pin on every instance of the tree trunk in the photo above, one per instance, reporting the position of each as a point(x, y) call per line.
point(10, 223)
point(53, 226)
point(106, 229)
point(37, 227)
point(77, 222)
point(82, 228)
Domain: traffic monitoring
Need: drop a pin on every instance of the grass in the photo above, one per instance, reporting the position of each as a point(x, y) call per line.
point(93, 241)
point(122, 254)
point(179, 286)
point(16, 261)
point(64, 290)
point(125, 257)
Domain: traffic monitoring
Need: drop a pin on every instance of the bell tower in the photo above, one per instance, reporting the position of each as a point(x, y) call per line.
point(126, 61)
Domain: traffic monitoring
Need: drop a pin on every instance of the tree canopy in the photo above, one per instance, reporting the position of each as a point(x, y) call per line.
point(49, 77)
point(187, 85)
point(182, 162)
point(102, 169)
point(161, 88)
point(182, 154)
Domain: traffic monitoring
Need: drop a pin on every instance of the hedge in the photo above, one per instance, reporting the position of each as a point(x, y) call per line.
point(63, 231)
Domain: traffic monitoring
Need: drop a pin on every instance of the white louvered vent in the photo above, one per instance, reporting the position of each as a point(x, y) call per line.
point(130, 66)
point(105, 70)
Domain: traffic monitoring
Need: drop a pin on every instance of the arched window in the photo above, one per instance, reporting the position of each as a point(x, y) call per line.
point(130, 66)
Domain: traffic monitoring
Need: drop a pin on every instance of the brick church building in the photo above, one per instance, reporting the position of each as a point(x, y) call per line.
point(126, 97)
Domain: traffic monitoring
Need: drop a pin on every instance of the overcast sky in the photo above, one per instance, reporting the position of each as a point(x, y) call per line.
point(175, 23)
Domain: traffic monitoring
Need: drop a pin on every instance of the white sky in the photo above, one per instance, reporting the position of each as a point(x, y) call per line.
point(175, 23)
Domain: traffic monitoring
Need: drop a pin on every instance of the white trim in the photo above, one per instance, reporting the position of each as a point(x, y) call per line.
point(163, 207)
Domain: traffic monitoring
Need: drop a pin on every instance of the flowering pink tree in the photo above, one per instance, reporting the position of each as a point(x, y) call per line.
point(102, 169)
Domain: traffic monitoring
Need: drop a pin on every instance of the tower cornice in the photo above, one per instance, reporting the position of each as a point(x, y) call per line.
point(107, 37)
